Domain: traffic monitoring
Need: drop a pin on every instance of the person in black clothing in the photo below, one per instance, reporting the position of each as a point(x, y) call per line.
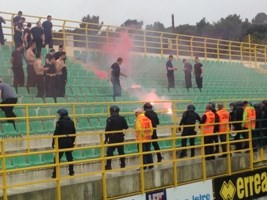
point(18, 31)
point(27, 36)
point(152, 115)
point(50, 76)
point(2, 40)
point(257, 132)
point(49, 56)
point(115, 123)
point(8, 96)
point(216, 128)
point(236, 115)
point(115, 77)
point(38, 37)
point(64, 127)
point(47, 25)
point(17, 18)
point(188, 74)
point(17, 63)
point(199, 72)
point(60, 49)
point(170, 72)
point(189, 119)
point(264, 123)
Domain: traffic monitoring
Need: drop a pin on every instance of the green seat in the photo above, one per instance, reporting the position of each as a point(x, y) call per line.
point(26, 100)
point(61, 100)
point(21, 127)
point(48, 158)
point(23, 91)
point(19, 112)
point(36, 127)
point(43, 112)
point(83, 124)
point(49, 100)
point(20, 161)
point(38, 100)
point(91, 153)
point(78, 155)
point(49, 126)
point(32, 112)
point(9, 130)
point(35, 160)
point(131, 148)
point(95, 123)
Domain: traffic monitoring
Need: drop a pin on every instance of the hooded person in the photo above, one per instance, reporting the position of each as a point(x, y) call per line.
point(152, 115)
point(188, 120)
point(65, 129)
point(115, 125)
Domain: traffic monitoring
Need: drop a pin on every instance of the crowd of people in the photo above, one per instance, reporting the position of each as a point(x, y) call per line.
point(198, 72)
point(50, 78)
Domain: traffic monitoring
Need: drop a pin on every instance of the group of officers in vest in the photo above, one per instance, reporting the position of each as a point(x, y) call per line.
point(215, 125)
point(243, 119)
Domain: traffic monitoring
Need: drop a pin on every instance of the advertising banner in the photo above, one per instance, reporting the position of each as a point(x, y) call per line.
point(194, 191)
point(243, 186)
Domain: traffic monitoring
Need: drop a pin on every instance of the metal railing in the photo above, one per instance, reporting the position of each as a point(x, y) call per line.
point(86, 36)
point(172, 146)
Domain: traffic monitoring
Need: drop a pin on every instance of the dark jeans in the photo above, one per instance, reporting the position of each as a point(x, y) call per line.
point(49, 42)
point(238, 145)
point(40, 86)
point(147, 158)
point(155, 145)
point(116, 87)
point(8, 110)
point(31, 79)
point(191, 140)
point(69, 159)
point(60, 84)
point(2, 40)
point(170, 77)
point(18, 80)
point(110, 151)
point(208, 139)
point(49, 86)
point(223, 139)
point(199, 81)
point(17, 39)
point(39, 45)
point(188, 81)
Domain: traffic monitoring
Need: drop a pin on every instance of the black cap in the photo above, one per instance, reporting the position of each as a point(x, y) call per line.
point(62, 112)
point(114, 108)
point(191, 107)
point(147, 105)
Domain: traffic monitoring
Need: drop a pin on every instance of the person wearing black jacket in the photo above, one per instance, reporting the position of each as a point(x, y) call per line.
point(64, 127)
point(152, 115)
point(115, 123)
point(264, 122)
point(216, 128)
point(236, 115)
point(189, 119)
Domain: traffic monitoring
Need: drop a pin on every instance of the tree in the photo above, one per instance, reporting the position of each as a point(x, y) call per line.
point(157, 26)
point(133, 23)
point(260, 18)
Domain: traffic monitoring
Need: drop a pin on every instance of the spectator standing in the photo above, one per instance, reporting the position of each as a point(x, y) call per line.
point(60, 49)
point(8, 96)
point(30, 58)
point(64, 127)
point(115, 123)
point(38, 37)
point(40, 81)
point(50, 74)
point(188, 120)
point(115, 77)
point(17, 63)
point(170, 72)
point(199, 72)
point(144, 131)
point(18, 38)
point(152, 115)
point(187, 74)
point(47, 25)
point(17, 18)
point(49, 56)
point(27, 36)
point(60, 81)
point(2, 39)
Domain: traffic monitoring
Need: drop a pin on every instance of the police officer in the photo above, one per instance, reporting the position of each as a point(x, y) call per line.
point(64, 127)
point(152, 115)
point(208, 120)
point(115, 123)
point(248, 122)
point(236, 115)
point(189, 118)
point(216, 128)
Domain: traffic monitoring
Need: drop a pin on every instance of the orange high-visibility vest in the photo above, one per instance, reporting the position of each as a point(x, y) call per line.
point(250, 114)
point(224, 120)
point(144, 128)
point(208, 127)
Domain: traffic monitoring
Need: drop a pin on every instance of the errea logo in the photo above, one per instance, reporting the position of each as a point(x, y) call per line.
point(228, 190)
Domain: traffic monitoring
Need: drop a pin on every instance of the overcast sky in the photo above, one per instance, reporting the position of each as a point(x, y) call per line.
point(115, 12)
